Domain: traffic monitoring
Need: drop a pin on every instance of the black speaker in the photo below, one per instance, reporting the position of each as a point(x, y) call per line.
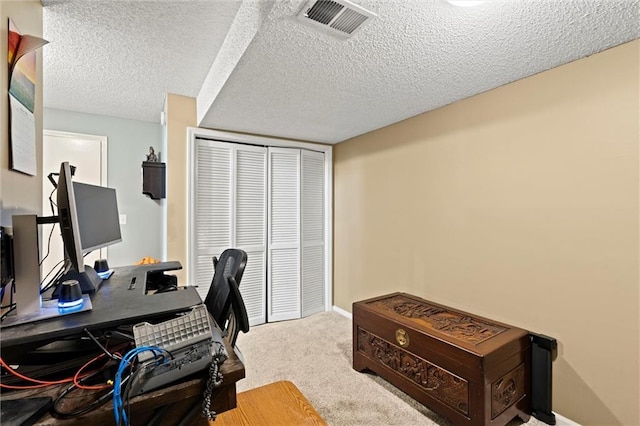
point(101, 265)
point(70, 294)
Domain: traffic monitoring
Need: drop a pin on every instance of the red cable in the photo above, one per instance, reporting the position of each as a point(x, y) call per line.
point(80, 386)
point(2, 385)
point(42, 382)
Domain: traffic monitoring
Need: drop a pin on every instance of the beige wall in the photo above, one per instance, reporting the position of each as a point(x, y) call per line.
point(180, 113)
point(19, 193)
point(519, 204)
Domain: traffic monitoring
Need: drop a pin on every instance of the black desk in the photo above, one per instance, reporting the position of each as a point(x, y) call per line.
point(169, 405)
point(117, 302)
point(114, 304)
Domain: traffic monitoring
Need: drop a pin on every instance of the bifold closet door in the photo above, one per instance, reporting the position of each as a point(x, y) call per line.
point(283, 272)
point(250, 227)
point(229, 210)
point(313, 230)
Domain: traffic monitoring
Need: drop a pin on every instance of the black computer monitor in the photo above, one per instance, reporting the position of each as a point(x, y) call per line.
point(89, 219)
point(98, 218)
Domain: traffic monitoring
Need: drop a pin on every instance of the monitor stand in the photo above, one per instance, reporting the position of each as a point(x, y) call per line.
point(88, 279)
point(29, 304)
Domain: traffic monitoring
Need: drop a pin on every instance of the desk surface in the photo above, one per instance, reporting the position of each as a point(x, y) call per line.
point(116, 302)
point(279, 403)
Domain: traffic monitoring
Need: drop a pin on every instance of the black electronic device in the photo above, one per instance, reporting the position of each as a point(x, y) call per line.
point(98, 218)
point(542, 351)
point(89, 219)
point(6, 257)
point(159, 282)
point(6, 272)
point(25, 411)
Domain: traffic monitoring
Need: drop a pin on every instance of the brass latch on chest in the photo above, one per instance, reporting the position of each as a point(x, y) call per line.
point(402, 338)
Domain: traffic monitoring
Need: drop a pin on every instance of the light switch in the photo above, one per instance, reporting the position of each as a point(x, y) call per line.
point(123, 219)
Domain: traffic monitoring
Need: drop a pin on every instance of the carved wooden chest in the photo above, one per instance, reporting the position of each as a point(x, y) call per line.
point(468, 369)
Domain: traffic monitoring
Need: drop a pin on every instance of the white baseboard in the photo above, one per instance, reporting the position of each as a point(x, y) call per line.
point(563, 421)
point(342, 312)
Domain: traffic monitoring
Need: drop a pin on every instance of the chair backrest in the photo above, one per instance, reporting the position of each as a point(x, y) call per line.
point(218, 301)
point(238, 320)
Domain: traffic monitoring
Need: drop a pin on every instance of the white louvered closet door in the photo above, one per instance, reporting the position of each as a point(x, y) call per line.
point(283, 273)
point(250, 227)
point(211, 212)
point(230, 212)
point(313, 220)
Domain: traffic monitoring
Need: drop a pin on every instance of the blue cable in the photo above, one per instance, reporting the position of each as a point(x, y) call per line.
point(127, 359)
point(118, 407)
point(119, 411)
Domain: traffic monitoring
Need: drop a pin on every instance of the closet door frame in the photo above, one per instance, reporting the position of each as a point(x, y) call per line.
point(194, 132)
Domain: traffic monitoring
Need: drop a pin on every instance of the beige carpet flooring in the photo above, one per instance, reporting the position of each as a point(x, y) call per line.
point(315, 354)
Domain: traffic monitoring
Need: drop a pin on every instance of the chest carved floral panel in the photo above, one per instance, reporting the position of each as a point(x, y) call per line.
point(438, 382)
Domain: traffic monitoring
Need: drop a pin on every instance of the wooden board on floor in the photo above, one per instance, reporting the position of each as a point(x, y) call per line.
point(279, 403)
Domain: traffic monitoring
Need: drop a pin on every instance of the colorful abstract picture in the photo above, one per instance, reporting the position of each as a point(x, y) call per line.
point(23, 79)
point(14, 40)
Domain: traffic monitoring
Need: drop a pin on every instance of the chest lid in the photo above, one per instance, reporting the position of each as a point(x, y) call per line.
point(472, 333)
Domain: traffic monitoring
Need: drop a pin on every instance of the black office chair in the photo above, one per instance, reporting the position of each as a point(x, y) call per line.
point(238, 320)
point(223, 300)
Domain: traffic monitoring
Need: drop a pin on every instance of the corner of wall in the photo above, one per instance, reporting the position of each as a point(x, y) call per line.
point(180, 114)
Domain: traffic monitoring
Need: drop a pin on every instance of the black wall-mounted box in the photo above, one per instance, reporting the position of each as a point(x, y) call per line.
point(154, 176)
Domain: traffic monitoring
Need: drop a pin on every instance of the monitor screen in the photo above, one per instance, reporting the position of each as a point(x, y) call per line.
point(98, 218)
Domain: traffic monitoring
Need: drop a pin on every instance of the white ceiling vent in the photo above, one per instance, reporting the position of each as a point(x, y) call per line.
point(340, 18)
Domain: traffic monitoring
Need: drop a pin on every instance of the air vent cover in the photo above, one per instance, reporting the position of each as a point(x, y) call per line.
point(340, 18)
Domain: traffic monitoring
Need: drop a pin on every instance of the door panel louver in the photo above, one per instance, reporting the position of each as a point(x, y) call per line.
point(284, 198)
point(313, 265)
point(212, 209)
point(204, 274)
point(312, 280)
point(285, 284)
point(250, 226)
point(284, 234)
point(250, 198)
point(253, 287)
point(313, 196)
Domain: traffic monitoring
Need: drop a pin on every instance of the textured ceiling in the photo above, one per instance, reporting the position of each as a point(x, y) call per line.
point(255, 68)
point(120, 58)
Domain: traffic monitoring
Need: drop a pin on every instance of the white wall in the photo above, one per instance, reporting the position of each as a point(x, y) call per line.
point(128, 144)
